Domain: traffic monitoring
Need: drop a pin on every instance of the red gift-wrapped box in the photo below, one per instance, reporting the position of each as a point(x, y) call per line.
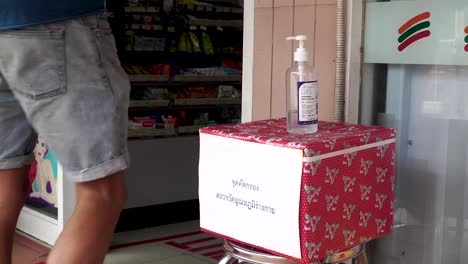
point(298, 196)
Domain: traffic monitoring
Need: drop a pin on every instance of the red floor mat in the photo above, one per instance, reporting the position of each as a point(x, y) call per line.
point(194, 243)
point(26, 251)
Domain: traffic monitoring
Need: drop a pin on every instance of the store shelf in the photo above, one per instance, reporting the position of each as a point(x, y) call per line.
point(143, 79)
point(184, 103)
point(154, 133)
point(142, 9)
point(212, 8)
point(198, 78)
point(215, 23)
point(146, 27)
point(149, 103)
point(189, 129)
point(148, 78)
point(151, 132)
point(189, 60)
point(207, 101)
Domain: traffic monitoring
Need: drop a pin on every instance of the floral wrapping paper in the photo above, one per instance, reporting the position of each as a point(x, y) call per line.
point(347, 181)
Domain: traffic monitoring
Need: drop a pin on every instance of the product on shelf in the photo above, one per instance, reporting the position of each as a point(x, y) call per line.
point(207, 45)
point(185, 44)
point(233, 65)
point(212, 71)
point(144, 2)
point(146, 122)
point(157, 121)
point(194, 40)
point(132, 2)
point(228, 91)
point(198, 92)
point(231, 115)
point(182, 119)
point(172, 95)
point(183, 59)
point(149, 44)
point(159, 69)
point(171, 45)
point(169, 122)
point(202, 120)
point(134, 69)
point(129, 40)
point(156, 69)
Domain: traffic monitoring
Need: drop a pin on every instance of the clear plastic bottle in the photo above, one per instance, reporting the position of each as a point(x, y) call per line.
point(301, 94)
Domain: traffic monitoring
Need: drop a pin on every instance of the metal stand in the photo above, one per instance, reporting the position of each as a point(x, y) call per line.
point(237, 252)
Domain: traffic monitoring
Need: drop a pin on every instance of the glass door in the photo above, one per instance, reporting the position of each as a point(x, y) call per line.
point(415, 79)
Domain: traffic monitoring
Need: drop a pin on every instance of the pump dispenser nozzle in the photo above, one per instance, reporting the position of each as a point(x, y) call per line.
point(301, 54)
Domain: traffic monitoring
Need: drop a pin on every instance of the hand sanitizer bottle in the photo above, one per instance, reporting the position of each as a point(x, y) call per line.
point(302, 99)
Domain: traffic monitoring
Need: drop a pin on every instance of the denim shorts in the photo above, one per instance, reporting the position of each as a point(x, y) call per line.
point(64, 82)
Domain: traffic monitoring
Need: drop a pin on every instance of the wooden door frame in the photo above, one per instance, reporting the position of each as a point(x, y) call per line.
point(354, 52)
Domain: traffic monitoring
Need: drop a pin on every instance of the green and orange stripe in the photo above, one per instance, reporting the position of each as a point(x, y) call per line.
point(466, 39)
point(414, 30)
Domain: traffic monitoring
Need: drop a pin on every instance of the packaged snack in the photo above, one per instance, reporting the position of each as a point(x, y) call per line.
point(225, 91)
point(211, 92)
point(182, 119)
point(129, 40)
point(147, 20)
point(139, 43)
point(169, 122)
point(203, 120)
point(149, 123)
point(132, 2)
point(207, 45)
point(148, 44)
point(194, 40)
point(159, 44)
point(171, 45)
point(234, 65)
point(196, 92)
point(184, 43)
point(134, 125)
point(155, 93)
point(166, 69)
point(172, 95)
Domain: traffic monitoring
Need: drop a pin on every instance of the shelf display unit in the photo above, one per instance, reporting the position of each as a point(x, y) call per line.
point(184, 62)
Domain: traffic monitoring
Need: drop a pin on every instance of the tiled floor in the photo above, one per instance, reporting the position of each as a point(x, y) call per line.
point(187, 248)
point(157, 253)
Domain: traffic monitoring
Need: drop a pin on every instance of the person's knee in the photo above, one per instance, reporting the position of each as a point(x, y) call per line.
point(110, 191)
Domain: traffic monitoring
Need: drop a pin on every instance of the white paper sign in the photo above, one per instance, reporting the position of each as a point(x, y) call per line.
point(417, 32)
point(251, 192)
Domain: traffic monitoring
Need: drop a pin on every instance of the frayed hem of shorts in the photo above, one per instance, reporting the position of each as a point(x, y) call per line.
point(100, 171)
point(16, 162)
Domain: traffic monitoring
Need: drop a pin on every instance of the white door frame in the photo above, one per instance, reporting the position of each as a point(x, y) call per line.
point(354, 58)
point(248, 60)
point(355, 13)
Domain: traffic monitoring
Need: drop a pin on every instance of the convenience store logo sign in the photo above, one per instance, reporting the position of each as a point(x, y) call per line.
point(413, 30)
point(466, 39)
point(430, 32)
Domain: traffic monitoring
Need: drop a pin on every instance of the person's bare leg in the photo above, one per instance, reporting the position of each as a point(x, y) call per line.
point(87, 236)
point(13, 187)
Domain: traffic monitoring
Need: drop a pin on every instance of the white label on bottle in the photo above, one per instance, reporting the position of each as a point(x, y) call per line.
point(307, 103)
